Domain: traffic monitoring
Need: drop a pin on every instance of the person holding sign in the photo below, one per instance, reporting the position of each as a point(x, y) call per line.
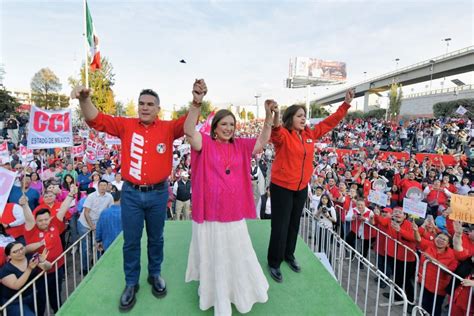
point(146, 165)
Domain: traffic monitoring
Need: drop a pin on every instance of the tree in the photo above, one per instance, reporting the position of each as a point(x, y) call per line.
point(250, 116)
point(8, 104)
point(45, 87)
point(101, 82)
point(395, 96)
point(131, 109)
point(317, 110)
point(243, 115)
point(354, 115)
point(448, 109)
point(206, 108)
point(119, 108)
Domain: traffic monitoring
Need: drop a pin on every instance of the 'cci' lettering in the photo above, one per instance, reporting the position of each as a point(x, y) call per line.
point(54, 123)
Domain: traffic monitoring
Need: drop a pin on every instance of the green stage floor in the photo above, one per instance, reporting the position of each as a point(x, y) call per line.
point(312, 292)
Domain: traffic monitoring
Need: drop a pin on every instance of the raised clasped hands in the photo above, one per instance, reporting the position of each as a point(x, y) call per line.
point(199, 91)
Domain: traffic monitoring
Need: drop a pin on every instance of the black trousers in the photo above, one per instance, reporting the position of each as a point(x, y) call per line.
point(404, 274)
point(287, 207)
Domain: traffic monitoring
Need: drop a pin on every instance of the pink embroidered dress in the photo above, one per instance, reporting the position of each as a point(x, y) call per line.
point(221, 256)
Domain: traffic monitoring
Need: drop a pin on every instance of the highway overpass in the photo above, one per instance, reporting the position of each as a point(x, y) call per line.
point(456, 62)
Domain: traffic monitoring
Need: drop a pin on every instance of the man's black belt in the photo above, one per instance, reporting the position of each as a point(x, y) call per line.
point(148, 188)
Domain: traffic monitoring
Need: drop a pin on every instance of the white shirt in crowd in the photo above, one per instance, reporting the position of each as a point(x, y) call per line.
point(118, 185)
point(96, 203)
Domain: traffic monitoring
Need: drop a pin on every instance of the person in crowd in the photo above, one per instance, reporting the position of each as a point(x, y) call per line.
point(36, 183)
point(291, 172)
point(68, 171)
point(118, 183)
point(358, 216)
point(12, 126)
point(407, 183)
point(326, 218)
point(92, 208)
point(464, 186)
point(400, 258)
point(381, 243)
point(19, 270)
point(50, 173)
point(95, 179)
point(436, 198)
point(109, 225)
point(13, 221)
point(182, 193)
point(21, 188)
point(146, 166)
point(428, 230)
point(84, 178)
point(42, 231)
point(219, 232)
point(436, 280)
point(109, 175)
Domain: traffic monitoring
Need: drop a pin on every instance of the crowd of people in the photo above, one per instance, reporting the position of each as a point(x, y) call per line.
point(56, 198)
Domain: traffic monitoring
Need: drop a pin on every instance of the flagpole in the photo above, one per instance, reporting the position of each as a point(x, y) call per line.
point(86, 46)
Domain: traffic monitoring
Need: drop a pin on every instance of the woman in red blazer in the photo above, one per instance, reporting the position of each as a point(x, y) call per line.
point(291, 172)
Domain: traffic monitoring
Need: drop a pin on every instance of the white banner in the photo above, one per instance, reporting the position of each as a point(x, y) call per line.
point(6, 183)
point(93, 146)
point(49, 129)
point(100, 154)
point(83, 133)
point(26, 154)
point(4, 154)
point(414, 207)
point(78, 151)
point(112, 140)
point(378, 197)
point(461, 110)
point(91, 157)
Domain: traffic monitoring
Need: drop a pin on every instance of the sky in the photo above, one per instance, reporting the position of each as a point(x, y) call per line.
point(241, 48)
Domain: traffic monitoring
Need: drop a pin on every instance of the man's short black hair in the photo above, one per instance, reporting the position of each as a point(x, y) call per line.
point(103, 181)
point(116, 195)
point(42, 211)
point(150, 92)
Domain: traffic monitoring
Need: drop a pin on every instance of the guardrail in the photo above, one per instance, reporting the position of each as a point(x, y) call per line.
point(74, 273)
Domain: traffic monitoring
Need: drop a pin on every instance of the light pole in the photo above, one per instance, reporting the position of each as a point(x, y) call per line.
point(447, 40)
point(432, 62)
point(365, 75)
point(257, 95)
point(396, 61)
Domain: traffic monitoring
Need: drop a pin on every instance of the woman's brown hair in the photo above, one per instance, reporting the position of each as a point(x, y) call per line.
point(217, 118)
point(289, 113)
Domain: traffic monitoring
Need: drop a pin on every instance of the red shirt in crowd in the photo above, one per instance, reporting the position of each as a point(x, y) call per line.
point(406, 184)
point(53, 210)
point(147, 151)
point(446, 258)
point(404, 236)
point(51, 238)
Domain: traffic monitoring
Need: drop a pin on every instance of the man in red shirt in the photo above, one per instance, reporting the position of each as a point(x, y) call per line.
point(147, 153)
point(43, 231)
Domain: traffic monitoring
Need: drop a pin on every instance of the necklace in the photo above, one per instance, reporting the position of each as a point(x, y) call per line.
point(226, 158)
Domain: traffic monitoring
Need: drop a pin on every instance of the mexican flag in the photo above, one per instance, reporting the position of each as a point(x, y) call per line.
point(92, 40)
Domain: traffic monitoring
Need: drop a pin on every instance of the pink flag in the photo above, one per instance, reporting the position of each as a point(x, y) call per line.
point(206, 127)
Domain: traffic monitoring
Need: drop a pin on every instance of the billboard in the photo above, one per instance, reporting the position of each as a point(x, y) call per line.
point(317, 70)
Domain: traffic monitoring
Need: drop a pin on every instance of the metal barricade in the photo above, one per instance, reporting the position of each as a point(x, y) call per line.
point(432, 303)
point(66, 277)
point(359, 277)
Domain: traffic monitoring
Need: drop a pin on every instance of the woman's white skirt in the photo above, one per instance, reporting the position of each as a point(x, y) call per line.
point(222, 259)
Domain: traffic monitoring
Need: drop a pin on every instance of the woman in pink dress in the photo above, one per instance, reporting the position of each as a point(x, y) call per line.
point(221, 256)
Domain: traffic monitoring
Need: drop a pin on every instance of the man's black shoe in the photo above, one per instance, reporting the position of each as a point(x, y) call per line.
point(158, 286)
point(294, 265)
point(276, 274)
point(127, 300)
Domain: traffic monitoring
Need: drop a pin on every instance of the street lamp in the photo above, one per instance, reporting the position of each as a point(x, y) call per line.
point(396, 61)
point(365, 75)
point(447, 40)
point(257, 95)
point(432, 62)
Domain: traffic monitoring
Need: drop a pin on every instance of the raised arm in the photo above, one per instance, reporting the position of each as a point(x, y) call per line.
point(66, 203)
point(88, 109)
point(270, 107)
point(194, 137)
point(29, 218)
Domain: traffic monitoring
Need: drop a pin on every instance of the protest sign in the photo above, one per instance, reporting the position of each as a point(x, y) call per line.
point(26, 154)
point(6, 183)
point(49, 129)
point(378, 197)
point(112, 140)
point(414, 207)
point(4, 154)
point(78, 151)
point(462, 207)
